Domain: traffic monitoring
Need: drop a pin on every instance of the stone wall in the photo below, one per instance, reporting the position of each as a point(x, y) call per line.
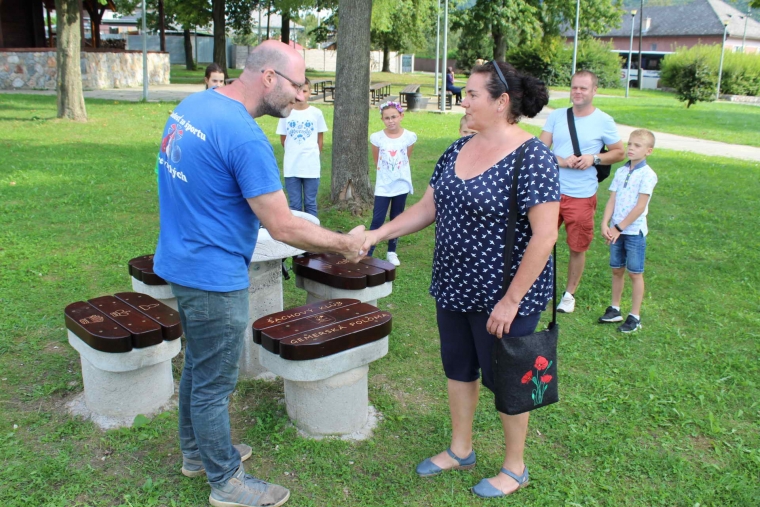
point(34, 69)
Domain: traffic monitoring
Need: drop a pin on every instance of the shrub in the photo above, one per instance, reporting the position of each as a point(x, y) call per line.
point(694, 83)
point(741, 72)
point(551, 60)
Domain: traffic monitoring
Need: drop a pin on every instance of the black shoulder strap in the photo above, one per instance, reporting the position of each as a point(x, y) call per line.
point(509, 242)
point(573, 133)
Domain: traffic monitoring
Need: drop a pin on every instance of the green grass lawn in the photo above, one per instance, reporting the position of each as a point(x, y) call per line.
point(726, 122)
point(620, 92)
point(668, 416)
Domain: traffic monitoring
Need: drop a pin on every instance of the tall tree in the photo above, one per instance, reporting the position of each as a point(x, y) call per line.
point(69, 80)
point(162, 25)
point(508, 22)
point(220, 34)
point(400, 25)
point(350, 171)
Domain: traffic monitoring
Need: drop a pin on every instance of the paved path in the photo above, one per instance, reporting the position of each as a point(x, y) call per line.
point(667, 141)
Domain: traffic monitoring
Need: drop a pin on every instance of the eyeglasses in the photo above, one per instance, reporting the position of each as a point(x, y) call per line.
point(498, 73)
point(294, 83)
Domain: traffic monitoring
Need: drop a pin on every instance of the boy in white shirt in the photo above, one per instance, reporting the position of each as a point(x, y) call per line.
point(624, 227)
point(301, 134)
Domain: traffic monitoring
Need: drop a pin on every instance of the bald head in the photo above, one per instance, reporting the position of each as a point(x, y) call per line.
point(272, 54)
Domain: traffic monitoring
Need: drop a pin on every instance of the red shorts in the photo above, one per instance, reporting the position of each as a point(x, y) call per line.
point(578, 216)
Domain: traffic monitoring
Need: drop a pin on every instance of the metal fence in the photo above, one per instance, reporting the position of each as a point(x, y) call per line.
point(203, 47)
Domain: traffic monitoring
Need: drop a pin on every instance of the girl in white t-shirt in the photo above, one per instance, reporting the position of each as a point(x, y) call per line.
point(391, 148)
point(301, 134)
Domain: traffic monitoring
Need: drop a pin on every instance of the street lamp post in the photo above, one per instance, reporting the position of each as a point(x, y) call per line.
point(746, 18)
point(445, 55)
point(145, 53)
point(641, 43)
point(630, 54)
point(575, 36)
point(437, 43)
point(722, 52)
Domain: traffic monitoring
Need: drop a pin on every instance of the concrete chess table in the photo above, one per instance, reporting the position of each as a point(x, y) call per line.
point(322, 351)
point(146, 281)
point(329, 276)
point(126, 343)
point(265, 292)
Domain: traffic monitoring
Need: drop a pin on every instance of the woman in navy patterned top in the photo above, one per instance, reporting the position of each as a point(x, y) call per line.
point(468, 199)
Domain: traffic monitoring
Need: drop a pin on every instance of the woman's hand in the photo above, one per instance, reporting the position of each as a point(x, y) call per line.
point(501, 317)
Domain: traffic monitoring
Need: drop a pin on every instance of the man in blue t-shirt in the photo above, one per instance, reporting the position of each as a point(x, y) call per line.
point(218, 182)
point(577, 175)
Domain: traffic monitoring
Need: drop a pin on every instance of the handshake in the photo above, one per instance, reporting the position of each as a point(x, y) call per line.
point(357, 244)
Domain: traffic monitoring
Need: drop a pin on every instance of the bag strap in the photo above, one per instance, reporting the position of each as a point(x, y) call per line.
point(573, 133)
point(509, 242)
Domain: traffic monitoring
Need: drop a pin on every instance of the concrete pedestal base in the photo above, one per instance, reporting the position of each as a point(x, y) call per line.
point(328, 396)
point(265, 293)
point(334, 406)
point(118, 386)
point(316, 291)
point(264, 297)
point(161, 292)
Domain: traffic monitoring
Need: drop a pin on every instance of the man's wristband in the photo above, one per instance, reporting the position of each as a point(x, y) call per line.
point(618, 228)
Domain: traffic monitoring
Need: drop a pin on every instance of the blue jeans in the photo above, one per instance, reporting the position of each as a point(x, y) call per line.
point(628, 252)
point(214, 324)
point(302, 194)
point(455, 91)
point(397, 204)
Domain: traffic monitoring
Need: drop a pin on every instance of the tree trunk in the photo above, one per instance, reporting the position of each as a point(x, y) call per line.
point(220, 35)
point(499, 45)
point(189, 62)
point(69, 79)
point(386, 59)
point(269, 17)
point(350, 172)
point(285, 28)
point(161, 27)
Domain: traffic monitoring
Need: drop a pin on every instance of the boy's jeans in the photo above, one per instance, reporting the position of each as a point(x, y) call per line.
point(306, 186)
point(214, 324)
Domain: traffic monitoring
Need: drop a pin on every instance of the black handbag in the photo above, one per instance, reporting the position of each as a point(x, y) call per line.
point(525, 367)
point(602, 171)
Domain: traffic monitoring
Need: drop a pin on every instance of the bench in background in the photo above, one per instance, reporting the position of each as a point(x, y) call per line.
point(378, 91)
point(412, 88)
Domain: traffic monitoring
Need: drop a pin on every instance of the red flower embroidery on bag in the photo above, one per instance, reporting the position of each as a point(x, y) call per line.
point(540, 381)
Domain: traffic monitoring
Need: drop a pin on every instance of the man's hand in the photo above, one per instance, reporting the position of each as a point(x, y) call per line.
point(356, 250)
point(581, 163)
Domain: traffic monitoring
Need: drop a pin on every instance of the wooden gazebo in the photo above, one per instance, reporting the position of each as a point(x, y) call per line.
point(22, 22)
